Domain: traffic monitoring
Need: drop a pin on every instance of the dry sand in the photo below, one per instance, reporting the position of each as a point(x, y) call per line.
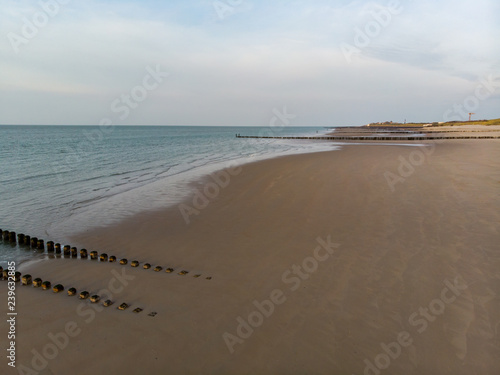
point(416, 271)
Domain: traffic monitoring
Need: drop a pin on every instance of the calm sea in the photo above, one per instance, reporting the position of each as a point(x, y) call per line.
point(58, 180)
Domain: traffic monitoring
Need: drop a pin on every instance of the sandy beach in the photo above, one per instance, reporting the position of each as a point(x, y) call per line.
point(368, 260)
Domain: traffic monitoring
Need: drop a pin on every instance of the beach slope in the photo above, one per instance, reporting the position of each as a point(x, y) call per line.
point(368, 260)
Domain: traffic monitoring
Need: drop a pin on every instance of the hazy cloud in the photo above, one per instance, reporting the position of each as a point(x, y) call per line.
point(234, 70)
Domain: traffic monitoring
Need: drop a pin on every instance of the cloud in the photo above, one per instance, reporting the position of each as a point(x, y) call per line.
point(235, 70)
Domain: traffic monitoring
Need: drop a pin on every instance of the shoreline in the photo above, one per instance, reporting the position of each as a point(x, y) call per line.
point(397, 249)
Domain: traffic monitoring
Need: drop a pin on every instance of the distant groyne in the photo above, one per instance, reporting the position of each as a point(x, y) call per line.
point(420, 137)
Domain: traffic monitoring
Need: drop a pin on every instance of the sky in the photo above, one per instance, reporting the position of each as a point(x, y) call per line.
point(238, 62)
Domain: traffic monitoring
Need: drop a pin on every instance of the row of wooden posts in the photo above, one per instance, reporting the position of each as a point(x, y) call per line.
point(70, 251)
point(58, 288)
point(373, 138)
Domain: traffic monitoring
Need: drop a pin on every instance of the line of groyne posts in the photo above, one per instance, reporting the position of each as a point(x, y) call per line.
point(39, 244)
point(373, 138)
point(70, 251)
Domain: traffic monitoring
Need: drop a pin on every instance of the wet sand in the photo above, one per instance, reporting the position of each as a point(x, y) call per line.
point(372, 259)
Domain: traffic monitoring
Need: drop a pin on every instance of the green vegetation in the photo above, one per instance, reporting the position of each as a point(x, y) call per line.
point(478, 122)
point(434, 124)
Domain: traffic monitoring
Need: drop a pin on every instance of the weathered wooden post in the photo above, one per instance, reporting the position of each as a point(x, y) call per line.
point(34, 242)
point(123, 261)
point(37, 283)
point(27, 240)
point(84, 295)
point(104, 257)
point(93, 255)
point(58, 288)
point(112, 259)
point(50, 246)
point(40, 245)
point(20, 239)
point(123, 306)
point(12, 237)
point(57, 247)
point(74, 252)
point(46, 285)
point(27, 280)
point(67, 250)
point(83, 253)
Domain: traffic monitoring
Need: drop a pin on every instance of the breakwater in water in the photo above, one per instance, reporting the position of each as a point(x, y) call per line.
point(419, 137)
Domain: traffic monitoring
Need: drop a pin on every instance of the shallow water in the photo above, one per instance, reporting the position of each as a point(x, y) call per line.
point(58, 180)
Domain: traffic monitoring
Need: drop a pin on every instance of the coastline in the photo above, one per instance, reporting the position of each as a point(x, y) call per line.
point(170, 190)
point(397, 248)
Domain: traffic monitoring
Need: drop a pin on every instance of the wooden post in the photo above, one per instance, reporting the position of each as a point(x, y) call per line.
point(67, 250)
point(58, 288)
point(83, 253)
point(27, 280)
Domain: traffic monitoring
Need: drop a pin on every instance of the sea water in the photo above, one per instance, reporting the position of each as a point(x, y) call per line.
point(59, 180)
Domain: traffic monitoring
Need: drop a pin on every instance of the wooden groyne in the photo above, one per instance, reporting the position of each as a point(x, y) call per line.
point(72, 252)
point(421, 131)
point(34, 243)
point(422, 137)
